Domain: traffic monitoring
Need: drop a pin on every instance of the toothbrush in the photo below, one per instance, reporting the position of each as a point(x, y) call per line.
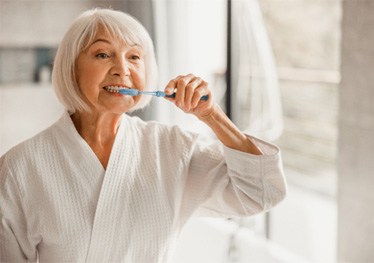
point(134, 92)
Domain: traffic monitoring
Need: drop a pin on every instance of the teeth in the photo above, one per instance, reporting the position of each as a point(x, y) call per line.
point(113, 88)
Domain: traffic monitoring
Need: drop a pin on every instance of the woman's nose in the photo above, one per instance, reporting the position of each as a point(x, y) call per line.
point(121, 67)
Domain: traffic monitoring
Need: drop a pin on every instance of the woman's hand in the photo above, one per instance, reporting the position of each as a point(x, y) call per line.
point(189, 89)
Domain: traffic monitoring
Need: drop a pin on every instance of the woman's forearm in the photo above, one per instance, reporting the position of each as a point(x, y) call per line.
point(227, 132)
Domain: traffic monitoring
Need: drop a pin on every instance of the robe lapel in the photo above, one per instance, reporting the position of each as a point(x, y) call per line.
point(112, 202)
point(78, 149)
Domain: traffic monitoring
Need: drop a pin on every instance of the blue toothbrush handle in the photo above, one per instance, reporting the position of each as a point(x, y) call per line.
point(203, 98)
point(134, 92)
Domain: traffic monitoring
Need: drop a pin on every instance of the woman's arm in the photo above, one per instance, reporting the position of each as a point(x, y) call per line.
point(189, 89)
point(14, 240)
point(226, 181)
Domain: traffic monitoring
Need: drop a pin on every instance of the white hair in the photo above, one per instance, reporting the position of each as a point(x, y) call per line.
point(80, 35)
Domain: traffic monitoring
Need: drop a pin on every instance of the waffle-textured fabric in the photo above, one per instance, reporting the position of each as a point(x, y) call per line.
point(58, 203)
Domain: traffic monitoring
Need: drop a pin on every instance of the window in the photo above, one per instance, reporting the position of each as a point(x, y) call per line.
point(305, 36)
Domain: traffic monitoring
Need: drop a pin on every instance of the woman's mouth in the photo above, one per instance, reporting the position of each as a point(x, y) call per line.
point(113, 89)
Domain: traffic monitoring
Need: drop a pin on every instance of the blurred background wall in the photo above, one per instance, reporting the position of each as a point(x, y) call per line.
point(308, 61)
point(356, 129)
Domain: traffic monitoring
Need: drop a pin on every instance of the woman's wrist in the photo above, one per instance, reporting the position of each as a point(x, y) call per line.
point(227, 132)
point(211, 116)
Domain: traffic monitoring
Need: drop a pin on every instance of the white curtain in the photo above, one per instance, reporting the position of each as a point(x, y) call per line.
point(256, 100)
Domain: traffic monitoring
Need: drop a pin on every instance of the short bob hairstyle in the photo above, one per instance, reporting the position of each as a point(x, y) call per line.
point(80, 35)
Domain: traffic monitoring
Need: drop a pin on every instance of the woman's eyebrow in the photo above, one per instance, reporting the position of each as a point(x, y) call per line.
point(136, 47)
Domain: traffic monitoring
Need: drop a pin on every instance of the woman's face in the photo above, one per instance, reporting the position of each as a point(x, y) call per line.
point(110, 62)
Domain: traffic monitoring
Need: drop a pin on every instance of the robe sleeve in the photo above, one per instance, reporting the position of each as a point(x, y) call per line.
point(14, 242)
point(227, 182)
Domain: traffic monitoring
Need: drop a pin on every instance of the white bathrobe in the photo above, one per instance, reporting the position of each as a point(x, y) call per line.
point(58, 204)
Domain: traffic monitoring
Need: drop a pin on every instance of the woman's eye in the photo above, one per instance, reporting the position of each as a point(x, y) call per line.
point(102, 55)
point(135, 57)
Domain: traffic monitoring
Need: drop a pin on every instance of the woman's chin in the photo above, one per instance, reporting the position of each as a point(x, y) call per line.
point(119, 109)
point(121, 106)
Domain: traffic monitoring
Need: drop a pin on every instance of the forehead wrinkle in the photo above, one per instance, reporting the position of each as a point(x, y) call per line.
point(101, 40)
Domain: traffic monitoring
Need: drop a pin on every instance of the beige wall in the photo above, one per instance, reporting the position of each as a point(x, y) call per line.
point(356, 127)
point(40, 22)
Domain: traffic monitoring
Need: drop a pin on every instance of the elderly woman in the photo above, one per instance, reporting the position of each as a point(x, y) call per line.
point(100, 186)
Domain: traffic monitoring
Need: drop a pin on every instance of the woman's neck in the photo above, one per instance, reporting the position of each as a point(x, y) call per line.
point(99, 131)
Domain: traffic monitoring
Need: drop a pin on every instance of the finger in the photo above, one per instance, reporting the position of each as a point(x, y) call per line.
point(181, 86)
point(200, 91)
point(172, 85)
point(189, 92)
